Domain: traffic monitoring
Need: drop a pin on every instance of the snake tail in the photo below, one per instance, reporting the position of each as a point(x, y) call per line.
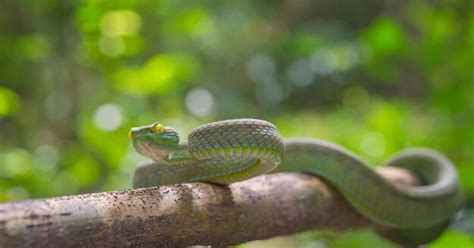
point(419, 213)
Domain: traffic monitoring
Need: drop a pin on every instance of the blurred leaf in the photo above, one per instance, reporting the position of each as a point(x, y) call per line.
point(385, 36)
point(466, 174)
point(34, 47)
point(8, 102)
point(372, 77)
point(453, 238)
point(361, 238)
point(303, 44)
point(191, 21)
point(85, 171)
point(159, 75)
point(107, 146)
point(64, 184)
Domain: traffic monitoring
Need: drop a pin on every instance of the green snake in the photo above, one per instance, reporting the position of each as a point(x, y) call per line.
point(234, 150)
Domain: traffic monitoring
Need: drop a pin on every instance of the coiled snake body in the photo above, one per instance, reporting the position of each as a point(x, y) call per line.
point(234, 150)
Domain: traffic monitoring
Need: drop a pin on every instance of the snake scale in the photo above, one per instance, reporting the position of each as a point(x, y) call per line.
point(234, 150)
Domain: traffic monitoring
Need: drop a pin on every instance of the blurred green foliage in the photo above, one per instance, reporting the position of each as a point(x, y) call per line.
point(373, 76)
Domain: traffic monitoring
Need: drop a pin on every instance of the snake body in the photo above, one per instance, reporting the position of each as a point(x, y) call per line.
point(234, 150)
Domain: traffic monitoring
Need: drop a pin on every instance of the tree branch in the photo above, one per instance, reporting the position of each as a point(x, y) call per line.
point(181, 215)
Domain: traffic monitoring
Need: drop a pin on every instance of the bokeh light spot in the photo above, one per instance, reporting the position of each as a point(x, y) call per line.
point(347, 57)
point(199, 102)
point(323, 61)
point(111, 46)
point(108, 117)
point(341, 57)
point(373, 145)
point(120, 23)
point(386, 36)
point(299, 73)
point(355, 98)
point(47, 157)
point(260, 68)
point(15, 162)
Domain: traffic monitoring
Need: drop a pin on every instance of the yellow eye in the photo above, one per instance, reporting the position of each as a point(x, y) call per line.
point(159, 128)
point(130, 135)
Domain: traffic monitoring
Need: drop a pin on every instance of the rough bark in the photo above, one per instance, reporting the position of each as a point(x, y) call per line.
point(182, 215)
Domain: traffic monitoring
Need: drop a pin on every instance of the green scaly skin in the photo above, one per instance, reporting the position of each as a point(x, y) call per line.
point(234, 150)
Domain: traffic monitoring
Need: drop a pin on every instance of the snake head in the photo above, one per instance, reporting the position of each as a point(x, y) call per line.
point(155, 141)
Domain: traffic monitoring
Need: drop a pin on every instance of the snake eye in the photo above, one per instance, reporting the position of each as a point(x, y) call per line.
point(159, 128)
point(130, 135)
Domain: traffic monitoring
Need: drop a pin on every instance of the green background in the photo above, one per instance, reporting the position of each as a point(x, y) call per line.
point(373, 76)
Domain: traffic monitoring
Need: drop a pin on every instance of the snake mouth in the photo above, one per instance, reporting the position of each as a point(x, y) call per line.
point(148, 148)
point(144, 148)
